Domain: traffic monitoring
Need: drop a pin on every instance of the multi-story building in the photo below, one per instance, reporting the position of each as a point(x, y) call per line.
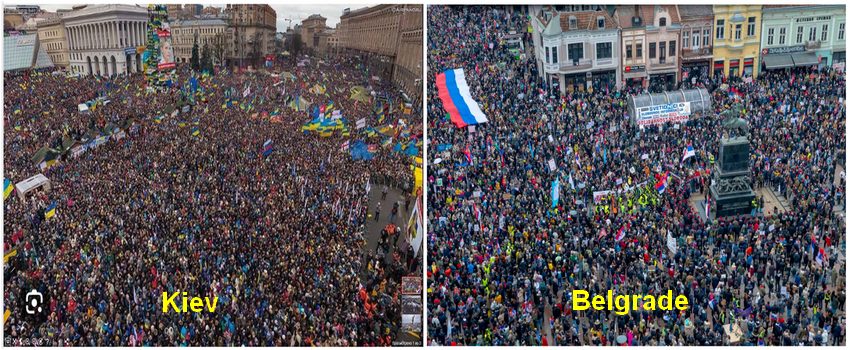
point(106, 39)
point(253, 33)
point(175, 11)
point(385, 36)
point(207, 31)
point(633, 41)
point(802, 35)
point(192, 10)
point(736, 50)
point(696, 41)
point(211, 11)
point(311, 31)
point(51, 35)
point(11, 19)
point(576, 46)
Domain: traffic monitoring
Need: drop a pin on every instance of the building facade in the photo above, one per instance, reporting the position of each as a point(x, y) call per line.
point(576, 46)
point(208, 31)
point(105, 39)
point(253, 33)
point(389, 37)
point(798, 35)
point(736, 51)
point(696, 42)
point(51, 35)
point(312, 30)
point(662, 36)
point(633, 46)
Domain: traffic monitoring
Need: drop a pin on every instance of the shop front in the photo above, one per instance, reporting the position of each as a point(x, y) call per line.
point(604, 80)
point(635, 77)
point(788, 57)
point(696, 71)
point(718, 68)
point(662, 82)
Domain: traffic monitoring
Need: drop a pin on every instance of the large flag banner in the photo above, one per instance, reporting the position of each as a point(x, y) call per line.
point(454, 92)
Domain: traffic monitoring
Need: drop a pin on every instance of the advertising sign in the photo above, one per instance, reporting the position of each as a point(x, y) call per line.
point(672, 112)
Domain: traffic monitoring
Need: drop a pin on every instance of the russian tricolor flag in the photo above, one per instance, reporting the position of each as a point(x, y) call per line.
point(454, 92)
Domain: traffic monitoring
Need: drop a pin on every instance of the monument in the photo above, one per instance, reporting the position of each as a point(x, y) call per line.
point(730, 189)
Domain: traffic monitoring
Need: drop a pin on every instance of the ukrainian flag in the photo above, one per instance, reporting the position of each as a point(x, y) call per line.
point(196, 132)
point(387, 141)
point(7, 188)
point(51, 211)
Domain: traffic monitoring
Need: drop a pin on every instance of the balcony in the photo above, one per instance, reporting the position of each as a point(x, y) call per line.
point(604, 62)
point(698, 52)
point(813, 45)
point(576, 65)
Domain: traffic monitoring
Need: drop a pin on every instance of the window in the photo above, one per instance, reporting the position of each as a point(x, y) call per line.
point(769, 36)
point(629, 50)
point(841, 31)
point(672, 48)
point(575, 51)
point(696, 39)
point(651, 50)
point(824, 32)
point(639, 50)
point(686, 39)
point(555, 55)
point(751, 26)
point(721, 24)
point(662, 22)
point(812, 33)
point(603, 51)
point(547, 54)
point(737, 32)
point(782, 36)
point(799, 34)
point(600, 22)
point(706, 34)
point(573, 23)
point(662, 50)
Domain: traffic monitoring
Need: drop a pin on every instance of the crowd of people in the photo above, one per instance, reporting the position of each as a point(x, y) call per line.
point(503, 259)
point(190, 202)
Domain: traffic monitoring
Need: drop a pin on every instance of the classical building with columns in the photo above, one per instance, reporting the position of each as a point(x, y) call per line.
point(105, 39)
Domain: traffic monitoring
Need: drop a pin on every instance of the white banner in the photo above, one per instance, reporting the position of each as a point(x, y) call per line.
point(598, 195)
point(672, 112)
point(361, 123)
point(552, 165)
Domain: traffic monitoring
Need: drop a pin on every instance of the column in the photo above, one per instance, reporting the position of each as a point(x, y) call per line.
point(115, 43)
point(87, 29)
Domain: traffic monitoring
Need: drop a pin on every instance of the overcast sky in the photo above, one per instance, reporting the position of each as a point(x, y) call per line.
point(287, 15)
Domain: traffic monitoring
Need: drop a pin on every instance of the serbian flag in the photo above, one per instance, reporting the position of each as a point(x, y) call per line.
point(661, 185)
point(821, 257)
point(621, 233)
point(454, 93)
point(689, 152)
point(268, 147)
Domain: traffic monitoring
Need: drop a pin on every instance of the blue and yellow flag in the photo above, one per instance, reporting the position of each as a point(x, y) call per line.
point(196, 131)
point(7, 188)
point(51, 211)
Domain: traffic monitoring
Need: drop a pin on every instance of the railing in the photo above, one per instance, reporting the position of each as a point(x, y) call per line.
point(701, 51)
point(663, 62)
point(571, 65)
point(604, 61)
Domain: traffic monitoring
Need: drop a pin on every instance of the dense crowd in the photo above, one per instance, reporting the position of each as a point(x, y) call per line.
point(503, 260)
point(189, 203)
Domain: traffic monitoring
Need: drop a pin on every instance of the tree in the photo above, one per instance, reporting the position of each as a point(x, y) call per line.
point(218, 49)
point(294, 45)
point(206, 59)
point(196, 63)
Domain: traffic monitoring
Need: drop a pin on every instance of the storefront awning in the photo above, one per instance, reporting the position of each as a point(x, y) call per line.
point(777, 61)
point(804, 59)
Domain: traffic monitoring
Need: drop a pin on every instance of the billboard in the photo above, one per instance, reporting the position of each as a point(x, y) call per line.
point(659, 114)
point(166, 50)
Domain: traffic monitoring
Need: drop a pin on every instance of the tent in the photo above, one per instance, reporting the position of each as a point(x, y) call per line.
point(31, 184)
point(45, 153)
